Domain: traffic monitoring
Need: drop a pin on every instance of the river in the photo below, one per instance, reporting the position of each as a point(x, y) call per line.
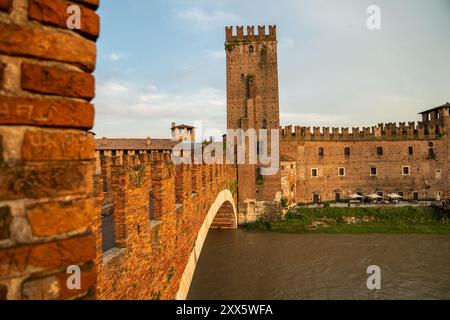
point(241, 265)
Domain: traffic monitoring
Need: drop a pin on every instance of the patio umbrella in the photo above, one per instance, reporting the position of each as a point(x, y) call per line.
point(374, 196)
point(355, 196)
point(394, 196)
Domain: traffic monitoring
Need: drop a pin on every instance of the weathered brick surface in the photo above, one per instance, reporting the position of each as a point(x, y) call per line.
point(55, 286)
point(55, 45)
point(89, 3)
point(54, 13)
point(47, 145)
point(48, 112)
point(5, 5)
point(35, 257)
point(46, 152)
point(51, 80)
point(45, 180)
point(59, 217)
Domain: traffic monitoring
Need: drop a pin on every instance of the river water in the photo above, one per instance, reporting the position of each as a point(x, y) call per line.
point(244, 265)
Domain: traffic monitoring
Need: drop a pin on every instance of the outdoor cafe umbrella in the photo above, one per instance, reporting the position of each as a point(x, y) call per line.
point(394, 196)
point(374, 196)
point(355, 196)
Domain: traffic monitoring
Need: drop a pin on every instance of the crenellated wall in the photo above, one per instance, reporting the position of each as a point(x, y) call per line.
point(331, 164)
point(383, 131)
point(158, 210)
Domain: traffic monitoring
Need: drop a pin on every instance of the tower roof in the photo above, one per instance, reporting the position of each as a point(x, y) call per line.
point(447, 105)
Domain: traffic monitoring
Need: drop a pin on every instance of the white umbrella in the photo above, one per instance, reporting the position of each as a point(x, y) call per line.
point(374, 196)
point(394, 196)
point(355, 196)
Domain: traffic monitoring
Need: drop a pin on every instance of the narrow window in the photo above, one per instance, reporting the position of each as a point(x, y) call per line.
point(251, 49)
point(347, 151)
point(321, 152)
point(373, 171)
point(405, 170)
point(415, 196)
point(151, 205)
point(380, 151)
point(316, 198)
point(341, 172)
point(411, 151)
point(314, 172)
point(108, 241)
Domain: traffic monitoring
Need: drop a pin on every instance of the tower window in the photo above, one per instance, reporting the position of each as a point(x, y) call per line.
point(405, 170)
point(347, 151)
point(410, 151)
point(321, 152)
point(380, 151)
point(341, 172)
point(314, 172)
point(373, 171)
point(251, 49)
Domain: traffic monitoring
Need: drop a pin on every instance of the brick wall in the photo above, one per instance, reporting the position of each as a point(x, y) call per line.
point(46, 153)
point(149, 256)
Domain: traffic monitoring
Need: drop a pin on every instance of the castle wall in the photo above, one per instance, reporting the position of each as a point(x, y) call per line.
point(153, 239)
point(428, 161)
point(46, 153)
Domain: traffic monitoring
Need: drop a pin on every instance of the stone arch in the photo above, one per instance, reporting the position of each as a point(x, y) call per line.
point(224, 205)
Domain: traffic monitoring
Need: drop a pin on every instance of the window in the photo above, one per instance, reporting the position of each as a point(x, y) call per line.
point(151, 206)
point(251, 49)
point(321, 152)
point(292, 166)
point(415, 196)
point(405, 170)
point(411, 151)
point(108, 239)
point(316, 198)
point(337, 197)
point(102, 153)
point(341, 172)
point(373, 171)
point(113, 153)
point(314, 172)
point(264, 126)
point(380, 151)
point(347, 151)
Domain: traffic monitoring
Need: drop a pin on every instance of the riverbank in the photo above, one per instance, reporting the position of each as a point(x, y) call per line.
point(418, 220)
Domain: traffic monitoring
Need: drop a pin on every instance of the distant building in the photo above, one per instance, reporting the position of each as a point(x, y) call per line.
point(183, 132)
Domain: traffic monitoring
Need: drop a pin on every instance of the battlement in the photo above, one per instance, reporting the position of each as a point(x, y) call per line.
point(383, 131)
point(239, 35)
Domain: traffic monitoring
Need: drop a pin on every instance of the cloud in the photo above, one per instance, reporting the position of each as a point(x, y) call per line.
point(116, 56)
point(123, 104)
point(204, 18)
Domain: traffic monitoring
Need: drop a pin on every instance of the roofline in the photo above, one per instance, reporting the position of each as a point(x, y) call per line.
point(447, 105)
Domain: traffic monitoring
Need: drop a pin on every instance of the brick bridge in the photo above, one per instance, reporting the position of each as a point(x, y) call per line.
point(134, 226)
point(154, 219)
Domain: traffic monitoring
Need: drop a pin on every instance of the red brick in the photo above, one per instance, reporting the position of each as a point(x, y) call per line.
point(45, 180)
point(57, 254)
point(46, 112)
point(5, 5)
point(57, 81)
point(51, 218)
point(55, 286)
point(48, 145)
point(88, 3)
point(54, 12)
point(53, 44)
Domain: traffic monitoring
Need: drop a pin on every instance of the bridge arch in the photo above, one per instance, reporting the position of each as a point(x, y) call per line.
point(221, 214)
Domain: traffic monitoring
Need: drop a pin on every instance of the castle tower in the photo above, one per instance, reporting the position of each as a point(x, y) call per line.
point(253, 103)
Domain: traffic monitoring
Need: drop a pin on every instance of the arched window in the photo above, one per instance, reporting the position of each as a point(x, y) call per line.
point(264, 124)
point(251, 49)
point(321, 152)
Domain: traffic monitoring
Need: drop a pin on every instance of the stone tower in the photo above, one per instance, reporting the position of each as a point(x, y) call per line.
point(253, 103)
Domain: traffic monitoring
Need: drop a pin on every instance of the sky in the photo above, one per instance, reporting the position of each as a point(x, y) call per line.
point(163, 61)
